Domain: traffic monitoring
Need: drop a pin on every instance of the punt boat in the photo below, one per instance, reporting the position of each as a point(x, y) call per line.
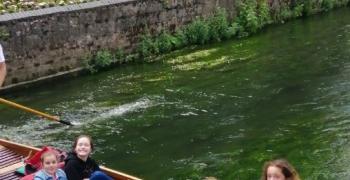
point(12, 155)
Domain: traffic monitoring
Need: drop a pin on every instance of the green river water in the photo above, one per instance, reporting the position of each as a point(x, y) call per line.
point(220, 110)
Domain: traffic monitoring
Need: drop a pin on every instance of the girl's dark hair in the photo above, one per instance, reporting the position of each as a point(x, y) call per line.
point(83, 136)
point(287, 169)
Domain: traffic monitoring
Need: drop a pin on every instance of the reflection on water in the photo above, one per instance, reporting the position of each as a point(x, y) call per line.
point(220, 110)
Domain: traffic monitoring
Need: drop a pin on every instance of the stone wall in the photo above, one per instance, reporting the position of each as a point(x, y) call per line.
point(45, 42)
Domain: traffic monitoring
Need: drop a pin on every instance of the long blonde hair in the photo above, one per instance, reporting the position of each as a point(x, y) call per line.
point(287, 169)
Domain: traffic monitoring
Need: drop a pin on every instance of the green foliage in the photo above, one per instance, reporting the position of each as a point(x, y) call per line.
point(165, 42)
point(249, 19)
point(310, 7)
point(285, 14)
point(101, 60)
point(298, 10)
point(88, 63)
point(231, 31)
point(218, 25)
point(252, 16)
point(132, 57)
point(340, 3)
point(119, 55)
point(197, 32)
point(238, 29)
point(263, 13)
point(180, 39)
point(327, 5)
point(200, 31)
point(314, 6)
point(164, 3)
point(4, 34)
point(147, 46)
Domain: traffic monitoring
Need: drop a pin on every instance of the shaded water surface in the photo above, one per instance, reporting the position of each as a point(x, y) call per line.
point(219, 110)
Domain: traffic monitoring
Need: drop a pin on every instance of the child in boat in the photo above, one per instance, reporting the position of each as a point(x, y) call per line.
point(279, 169)
point(50, 170)
point(79, 165)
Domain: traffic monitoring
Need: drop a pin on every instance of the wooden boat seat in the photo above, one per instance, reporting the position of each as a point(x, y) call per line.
point(9, 162)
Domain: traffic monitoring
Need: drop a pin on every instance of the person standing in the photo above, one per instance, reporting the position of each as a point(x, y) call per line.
point(2, 66)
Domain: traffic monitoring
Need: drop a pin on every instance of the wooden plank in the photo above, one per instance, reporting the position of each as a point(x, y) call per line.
point(10, 176)
point(117, 174)
point(20, 149)
point(9, 162)
point(11, 168)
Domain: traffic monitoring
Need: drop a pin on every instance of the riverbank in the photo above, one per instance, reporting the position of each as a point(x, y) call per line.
point(220, 109)
point(97, 35)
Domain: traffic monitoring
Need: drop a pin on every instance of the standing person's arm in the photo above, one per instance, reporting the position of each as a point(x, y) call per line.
point(2, 72)
point(2, 67)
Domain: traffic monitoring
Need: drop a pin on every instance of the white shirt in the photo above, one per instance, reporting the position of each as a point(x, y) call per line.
point(2, 58)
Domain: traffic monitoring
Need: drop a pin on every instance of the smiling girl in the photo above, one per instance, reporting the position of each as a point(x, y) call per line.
point(279, 169)
point(49, 171)
point(79, 165)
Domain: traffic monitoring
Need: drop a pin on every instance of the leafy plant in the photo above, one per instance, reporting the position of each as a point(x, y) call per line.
point(310, 7)
point(4, 34)
point(252, 16)
point(263, 13)
point(88, 64)
point(180, 39)
point(102, 59)
point(231, 31)
point(247, 17)
point(119, 55)
point(197, 32)
point(327, 5)
point(218, 25)
point(298, 10)
point(147, 46)
point(165, 42)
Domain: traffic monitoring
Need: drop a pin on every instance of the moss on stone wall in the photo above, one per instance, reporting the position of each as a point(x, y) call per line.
point(251, 17)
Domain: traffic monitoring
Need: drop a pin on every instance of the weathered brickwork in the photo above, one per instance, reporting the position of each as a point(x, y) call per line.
point(54, 40)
